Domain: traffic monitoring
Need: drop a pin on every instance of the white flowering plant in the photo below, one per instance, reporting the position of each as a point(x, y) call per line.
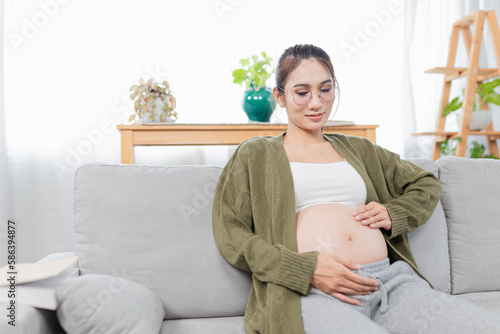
point(153, 101)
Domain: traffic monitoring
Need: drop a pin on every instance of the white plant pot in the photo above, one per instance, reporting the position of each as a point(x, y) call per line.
point(154, 115)
point(478, 119)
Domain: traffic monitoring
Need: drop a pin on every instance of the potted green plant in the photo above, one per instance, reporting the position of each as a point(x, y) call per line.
point(448, 147)
point(479, 118)
point(258, 101)
point(477, 152)
point(153, 102)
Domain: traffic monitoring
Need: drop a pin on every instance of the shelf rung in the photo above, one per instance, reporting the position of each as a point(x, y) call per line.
point(484, 133)
point(457, 72)
point(448, 134)
point(466, 21)
point(439, 136)
point(446, 70)
point(457, 134)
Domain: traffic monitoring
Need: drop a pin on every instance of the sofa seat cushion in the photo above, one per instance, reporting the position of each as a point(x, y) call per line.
point(471, 197)
point(489, 300)
point(225, 325)
point(153, 225)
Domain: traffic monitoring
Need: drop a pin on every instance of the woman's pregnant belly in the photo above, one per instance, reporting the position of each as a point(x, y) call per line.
point(331, 229)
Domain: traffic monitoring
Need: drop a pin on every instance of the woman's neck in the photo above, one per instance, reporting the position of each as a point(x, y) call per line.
point(301, 137)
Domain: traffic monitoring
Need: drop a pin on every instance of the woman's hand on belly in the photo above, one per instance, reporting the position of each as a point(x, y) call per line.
point(374, 215)
point(333, 276)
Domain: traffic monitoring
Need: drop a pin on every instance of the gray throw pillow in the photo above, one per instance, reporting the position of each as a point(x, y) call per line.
point(107, 304)
point(471, 193)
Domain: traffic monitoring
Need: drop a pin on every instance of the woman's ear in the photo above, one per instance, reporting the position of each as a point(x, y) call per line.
point(279, 97)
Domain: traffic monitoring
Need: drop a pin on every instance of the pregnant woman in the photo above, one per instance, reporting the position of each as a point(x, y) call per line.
point(320, 220)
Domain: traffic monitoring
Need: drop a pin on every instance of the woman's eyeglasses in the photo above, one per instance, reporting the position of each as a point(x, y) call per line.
point(302, 96)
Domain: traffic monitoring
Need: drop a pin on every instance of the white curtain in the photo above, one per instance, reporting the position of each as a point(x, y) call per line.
point(427, 30)
point(4, 179)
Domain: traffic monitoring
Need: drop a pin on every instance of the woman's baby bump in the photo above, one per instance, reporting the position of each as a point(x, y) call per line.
point(330, 228)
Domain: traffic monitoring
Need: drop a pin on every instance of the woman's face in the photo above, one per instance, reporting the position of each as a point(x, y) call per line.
point(313, 76)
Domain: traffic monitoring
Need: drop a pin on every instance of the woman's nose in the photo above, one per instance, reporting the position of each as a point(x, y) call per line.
point(315, 102)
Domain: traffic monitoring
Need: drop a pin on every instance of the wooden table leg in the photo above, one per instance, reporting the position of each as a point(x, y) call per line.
point(371, 135)
point(127, 147)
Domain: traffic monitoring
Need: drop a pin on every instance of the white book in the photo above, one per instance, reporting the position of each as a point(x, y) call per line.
point(36, 282)
point(339, 123)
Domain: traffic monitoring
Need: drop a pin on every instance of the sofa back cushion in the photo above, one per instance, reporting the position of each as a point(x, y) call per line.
point(471, 199)
point(153, 226)
point(429, 242)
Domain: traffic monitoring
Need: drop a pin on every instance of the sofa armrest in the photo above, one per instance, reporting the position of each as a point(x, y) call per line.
point(31, 320)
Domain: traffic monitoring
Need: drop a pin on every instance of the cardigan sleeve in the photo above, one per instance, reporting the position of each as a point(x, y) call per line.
point(415, 192)
point(238, 243)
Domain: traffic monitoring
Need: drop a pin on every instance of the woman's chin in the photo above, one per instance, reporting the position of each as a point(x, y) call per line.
point(315, 123)
point(312, 126)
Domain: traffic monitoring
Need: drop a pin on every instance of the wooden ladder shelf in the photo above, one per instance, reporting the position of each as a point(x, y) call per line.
point(474, 75)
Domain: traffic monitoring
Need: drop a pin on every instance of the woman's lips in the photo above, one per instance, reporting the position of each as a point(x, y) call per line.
point(315, 117)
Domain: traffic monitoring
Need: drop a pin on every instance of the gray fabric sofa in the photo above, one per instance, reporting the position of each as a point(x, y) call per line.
point(152, 225)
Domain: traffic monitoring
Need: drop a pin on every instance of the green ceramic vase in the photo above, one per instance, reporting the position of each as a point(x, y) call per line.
point(258, 105)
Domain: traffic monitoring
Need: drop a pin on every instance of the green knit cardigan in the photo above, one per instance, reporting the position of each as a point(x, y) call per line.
point(254, 220)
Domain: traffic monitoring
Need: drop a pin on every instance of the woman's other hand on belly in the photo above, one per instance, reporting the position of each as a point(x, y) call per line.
point(333, 276)
point(374, 215)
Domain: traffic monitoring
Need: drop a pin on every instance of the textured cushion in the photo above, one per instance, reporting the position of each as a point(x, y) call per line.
point(471, 198)
point(153, 226)
point(429, 242)
point(489, 300)
point(227, 325)
point(105, 304)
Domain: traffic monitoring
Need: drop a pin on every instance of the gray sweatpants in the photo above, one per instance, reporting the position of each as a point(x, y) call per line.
point(404, 303)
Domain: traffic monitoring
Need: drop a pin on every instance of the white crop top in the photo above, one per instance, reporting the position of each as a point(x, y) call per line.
point(336, 182)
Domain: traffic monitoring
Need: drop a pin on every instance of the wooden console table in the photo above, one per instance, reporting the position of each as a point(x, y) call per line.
point(213, 134)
